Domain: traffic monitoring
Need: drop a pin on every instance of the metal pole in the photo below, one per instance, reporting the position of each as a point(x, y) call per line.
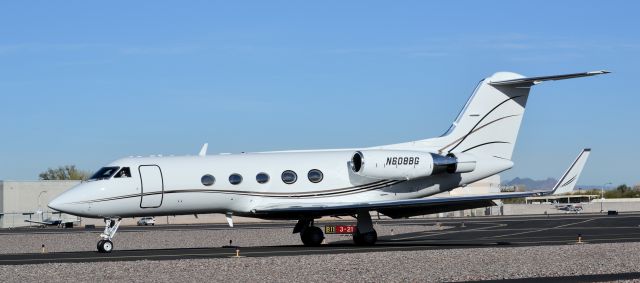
point(602, 196)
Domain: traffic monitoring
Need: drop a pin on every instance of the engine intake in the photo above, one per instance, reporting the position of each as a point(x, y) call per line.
point(357, 162)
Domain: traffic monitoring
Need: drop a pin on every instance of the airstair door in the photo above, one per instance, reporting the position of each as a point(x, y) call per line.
point(151, 186)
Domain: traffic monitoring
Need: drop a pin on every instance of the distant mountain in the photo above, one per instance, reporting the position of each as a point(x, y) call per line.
point(595, 187)
point(530, 184)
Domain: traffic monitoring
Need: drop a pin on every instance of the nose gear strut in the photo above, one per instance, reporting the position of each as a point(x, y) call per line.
point(105, 245)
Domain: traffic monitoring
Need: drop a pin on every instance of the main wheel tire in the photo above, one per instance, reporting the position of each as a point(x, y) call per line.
point(99, 246)
point(365, 239)
point(105, 246)
point(312, 236)
point(357, 238)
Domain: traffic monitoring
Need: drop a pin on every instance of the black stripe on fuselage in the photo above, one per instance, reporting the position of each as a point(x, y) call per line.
point(473, 129)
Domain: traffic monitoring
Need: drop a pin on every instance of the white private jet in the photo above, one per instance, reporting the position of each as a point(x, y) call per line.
point(393, 180)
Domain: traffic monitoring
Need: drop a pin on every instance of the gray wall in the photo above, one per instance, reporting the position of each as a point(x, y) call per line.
point(18, 197)
point(1, 196)
point(591, 207)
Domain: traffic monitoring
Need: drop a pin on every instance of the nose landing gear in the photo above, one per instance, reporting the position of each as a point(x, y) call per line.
point(105, 245)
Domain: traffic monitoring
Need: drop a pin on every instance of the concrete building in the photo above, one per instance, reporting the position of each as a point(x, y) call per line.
point(489, 185)
point(27, 200)
point(561, 199)
point(22, 200)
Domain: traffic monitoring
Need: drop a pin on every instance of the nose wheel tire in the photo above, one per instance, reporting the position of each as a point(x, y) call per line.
point(312, 236)
point(105, 246)
point(99, 246)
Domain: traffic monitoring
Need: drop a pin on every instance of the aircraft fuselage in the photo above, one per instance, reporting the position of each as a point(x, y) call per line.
point(176, 185)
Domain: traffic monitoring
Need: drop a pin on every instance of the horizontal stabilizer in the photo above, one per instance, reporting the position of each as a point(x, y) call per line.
point(536, 80)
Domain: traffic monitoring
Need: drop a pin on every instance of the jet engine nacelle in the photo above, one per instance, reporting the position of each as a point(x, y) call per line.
point(464, 163)
point(407, 165)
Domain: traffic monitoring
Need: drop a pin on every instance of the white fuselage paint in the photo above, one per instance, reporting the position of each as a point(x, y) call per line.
point(181, 191)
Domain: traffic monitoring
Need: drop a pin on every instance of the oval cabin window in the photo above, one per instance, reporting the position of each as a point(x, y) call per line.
point(262, 178)
point(207, 180)
point(235, 179)
point(315, 175)
point(289, 177)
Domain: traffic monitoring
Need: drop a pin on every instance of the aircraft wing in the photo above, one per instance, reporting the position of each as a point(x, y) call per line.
point(52, 222)
point(391, 208)
point(40, 222)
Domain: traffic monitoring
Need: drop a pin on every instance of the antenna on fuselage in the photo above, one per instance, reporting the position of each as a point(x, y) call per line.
point(203, 150)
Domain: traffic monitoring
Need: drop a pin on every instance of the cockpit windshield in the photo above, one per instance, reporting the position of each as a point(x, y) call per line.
point(104, 173)
point(124, 173)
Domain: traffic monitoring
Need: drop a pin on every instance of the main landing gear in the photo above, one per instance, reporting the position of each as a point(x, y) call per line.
point(105, 245)
point(310, 235)
point(364, 235)
point(313, 236)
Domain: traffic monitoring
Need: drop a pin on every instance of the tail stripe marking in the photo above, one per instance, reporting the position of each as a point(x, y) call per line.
point(460, 140)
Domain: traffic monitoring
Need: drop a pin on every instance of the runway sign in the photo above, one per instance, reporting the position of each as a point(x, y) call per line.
point(339, 229)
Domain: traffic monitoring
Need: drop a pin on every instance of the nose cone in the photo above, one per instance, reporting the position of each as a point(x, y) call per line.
point(54, 204)
point(60, 203)
point(70, 202)
point(75, 201)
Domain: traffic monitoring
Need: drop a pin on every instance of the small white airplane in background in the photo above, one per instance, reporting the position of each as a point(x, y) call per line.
point(394, 180)
point(577, 207)
point(54, 221)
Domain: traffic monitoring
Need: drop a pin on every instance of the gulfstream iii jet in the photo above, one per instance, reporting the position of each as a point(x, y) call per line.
point(395, 180)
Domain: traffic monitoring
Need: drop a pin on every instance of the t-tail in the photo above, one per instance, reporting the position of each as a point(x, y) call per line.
point(490, 120)
point(569, 179)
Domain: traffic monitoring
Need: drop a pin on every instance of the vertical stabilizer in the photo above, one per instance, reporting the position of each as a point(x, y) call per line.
point(490, 120)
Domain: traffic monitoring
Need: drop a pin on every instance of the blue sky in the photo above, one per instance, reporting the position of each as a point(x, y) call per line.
point(86, 83)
